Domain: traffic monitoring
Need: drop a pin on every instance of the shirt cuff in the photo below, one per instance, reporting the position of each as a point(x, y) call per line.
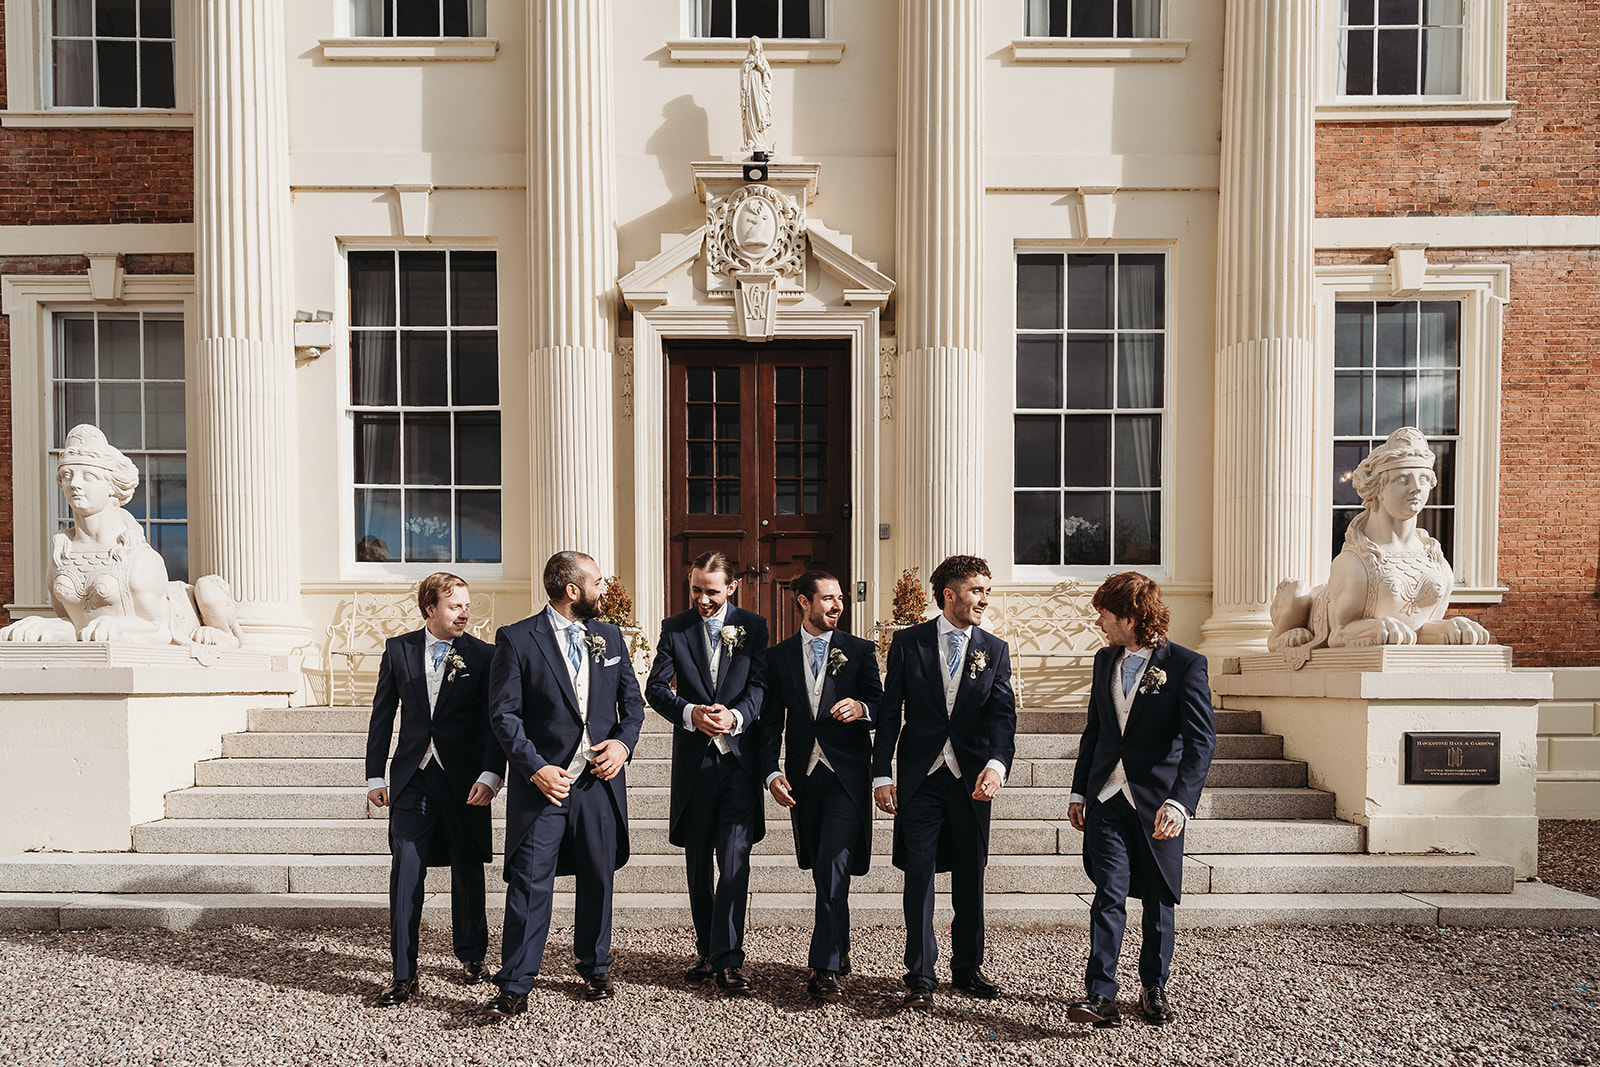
point(376, 783)
point(738, 722)
point(772, 777)
point(688, 716)
point(878, 783)
point(492, 780)
point(1178, 811)
point(997, 767)
point(1074, 798)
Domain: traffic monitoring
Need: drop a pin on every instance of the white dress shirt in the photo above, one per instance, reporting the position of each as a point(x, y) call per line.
point(814, 683)
point(714, 662)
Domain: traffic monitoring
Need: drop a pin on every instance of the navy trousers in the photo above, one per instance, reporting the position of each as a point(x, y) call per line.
point(1121, 863)
point(829, 819)
point(721, 818)
point(423, 809)
point(586, 823)
point(942, 804)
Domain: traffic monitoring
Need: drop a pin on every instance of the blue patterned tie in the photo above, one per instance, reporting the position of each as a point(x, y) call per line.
point(819, 648)
point(575, 646)
point(1130, 672)
point(439, 650)
point(954, 663)
point(713, 631)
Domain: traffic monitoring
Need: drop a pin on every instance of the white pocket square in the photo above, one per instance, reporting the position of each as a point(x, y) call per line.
point(612, 662)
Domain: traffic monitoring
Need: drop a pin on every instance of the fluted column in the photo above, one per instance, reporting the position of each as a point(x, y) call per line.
point(243, 481)
point(1265, 372)
point(939, 204)
point(572, 222)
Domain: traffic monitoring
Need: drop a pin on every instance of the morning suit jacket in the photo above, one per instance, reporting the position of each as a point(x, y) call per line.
point(533, 711)
point(912, 729)
point(739, 685)
point(458, 728)
point(1165, 750)
point(848, 745)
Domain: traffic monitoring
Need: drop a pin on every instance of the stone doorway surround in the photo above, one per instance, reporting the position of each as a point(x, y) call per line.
point(833, 294)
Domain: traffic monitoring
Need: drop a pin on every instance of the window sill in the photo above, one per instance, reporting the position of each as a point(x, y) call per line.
point(1466, 595)
point(119, 118)
point(408, 49)
point(731, 51)
point(1414, 110)
point(1098, 50)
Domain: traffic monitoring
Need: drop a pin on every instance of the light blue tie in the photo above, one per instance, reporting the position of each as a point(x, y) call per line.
point(714, 631)
point(819, 648)
point(954, 663)
point(440, 648)
point(575, 646)
point(1130, 672)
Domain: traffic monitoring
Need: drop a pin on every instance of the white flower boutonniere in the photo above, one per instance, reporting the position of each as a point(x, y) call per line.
point(1154, 679)
point(977, 663)
point(732, 637)
point(454, 665)
point(597, 647)
point(837, 661)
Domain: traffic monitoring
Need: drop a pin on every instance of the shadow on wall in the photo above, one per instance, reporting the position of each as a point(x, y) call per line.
point(682, 138)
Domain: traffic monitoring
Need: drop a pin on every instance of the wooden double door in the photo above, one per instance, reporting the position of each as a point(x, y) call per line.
point(758, 466)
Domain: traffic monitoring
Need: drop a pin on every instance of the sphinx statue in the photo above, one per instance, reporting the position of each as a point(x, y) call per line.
point(1390, 584)
point(106, 583)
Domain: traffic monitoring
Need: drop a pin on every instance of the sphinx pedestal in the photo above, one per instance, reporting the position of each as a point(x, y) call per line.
point(97, 734)
point(1346, 714)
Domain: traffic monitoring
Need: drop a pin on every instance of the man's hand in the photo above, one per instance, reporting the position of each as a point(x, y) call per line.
point(780, 791)
point(379, 797)
point(711, 719)
point(479, 795)
point(606, 759)
point(553, 782)
point(887, 798)
point(988, 785)
point(848, 710)
point(1166, 826)
point(1075, 816)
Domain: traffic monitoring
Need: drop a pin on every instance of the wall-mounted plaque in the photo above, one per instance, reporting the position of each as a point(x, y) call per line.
point(1452, 759)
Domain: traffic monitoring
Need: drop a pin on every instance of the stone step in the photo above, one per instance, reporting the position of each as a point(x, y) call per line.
point(649, 836)
point(1072, 721)
point(1528, 905)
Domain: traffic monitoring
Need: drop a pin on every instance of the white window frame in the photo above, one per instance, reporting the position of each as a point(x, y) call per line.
point(364, 570)
point(1483, 292)
point(1050, 574)
point(730, 51)
point(1028, 47)
point(1483, 74)
point(32, 302)
point(28, 68)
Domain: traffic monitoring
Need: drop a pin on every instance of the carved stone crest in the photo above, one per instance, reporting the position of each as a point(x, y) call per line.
point(756, 228)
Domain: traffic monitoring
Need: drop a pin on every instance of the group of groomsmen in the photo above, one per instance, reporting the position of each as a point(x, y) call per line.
point(553, 711)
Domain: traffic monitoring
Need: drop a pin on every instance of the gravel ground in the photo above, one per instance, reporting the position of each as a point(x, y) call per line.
point(1348, 996)
point(1569, 854)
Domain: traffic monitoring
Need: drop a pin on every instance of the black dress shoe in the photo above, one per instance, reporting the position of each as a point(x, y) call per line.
point(472, 972)
point(1153, 1005)
point(700, 972)
point(919, 997)
point(1101, 1011)
point(399, 991)
point(844, 965)
point(824, 985)
point(598, 987)
point(732, 980)
point(506, 1005)
point(976, 984)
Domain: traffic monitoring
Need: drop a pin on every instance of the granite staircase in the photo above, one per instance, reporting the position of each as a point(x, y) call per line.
point(278, 831)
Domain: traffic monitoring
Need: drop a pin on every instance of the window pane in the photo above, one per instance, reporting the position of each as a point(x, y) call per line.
point(1089, 372)
point(699, 380)
point(755, 18)
point(1399, 12)
point(1138, 540)
point(477, 368)
point(1342, 518)
point(422, 288)
point(1140, 378)
point(478, 448)
point(1352, 335)
point(171, 540)
point(72, 18)
point(797, 19)
point(1438, 333)
point(155, 18)
point(478, 526)
point(1038, 450)
point(120, 416)
point(377, 525)
point(721, 20)
point(1358, 62)
point(1445, 467)
point(1441, 61)
point(416, 18)
point(1436, 401)
point(377, 449)
point(1085, 540)
point(1038, 372)
point(115, 18)
point(372, 289)
point(73, 76)
point(1397, 334)
point(1039, 292)
point(1037, 528)
point(1361, 12)
point(1141, 292)
point(139, 506)
point(424, 370)
point(1138, 450)
point(1396, 401)
point(164, 426)
point(1397, 62)
point(456, 21)
point(74, 406)
point(156, 87)
point(1352, 403)
point(1087, 443)
point(1347, 455)
point(1091, 18)
point(168, 487)
point(473, 280)
point(119, 348)
point(163, 349)
point(426, 450)
point(1089, 292)
point(429, 529)
point(75, 357)
point(118, 73)
point(372, 368)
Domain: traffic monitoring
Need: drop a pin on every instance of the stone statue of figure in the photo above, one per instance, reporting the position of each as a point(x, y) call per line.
point(755, 100)
point(1390, 585)
point(106, 582)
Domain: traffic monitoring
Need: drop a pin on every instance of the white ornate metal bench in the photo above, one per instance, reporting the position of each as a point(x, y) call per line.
point(369, 618)
point(1048, 626)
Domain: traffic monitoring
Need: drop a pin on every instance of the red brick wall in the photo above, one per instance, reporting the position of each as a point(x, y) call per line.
point(86, 176)
point(1542, 161)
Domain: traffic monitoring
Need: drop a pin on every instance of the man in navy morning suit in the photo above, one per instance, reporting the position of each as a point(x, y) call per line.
point(824, 683)
point(706, 681)
point(1141, 764)
point(446, 769)
point(565, 706)
point(949, 726)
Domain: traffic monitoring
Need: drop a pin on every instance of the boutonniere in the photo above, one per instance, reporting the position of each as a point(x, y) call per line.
point(454, 665)
point(837, 661)
point(732, 637)
point(597, 647)
point(977, 663)
point(1154, 679)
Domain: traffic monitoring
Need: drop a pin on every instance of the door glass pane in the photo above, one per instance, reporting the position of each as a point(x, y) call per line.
point(700, 459)
point(700, 385)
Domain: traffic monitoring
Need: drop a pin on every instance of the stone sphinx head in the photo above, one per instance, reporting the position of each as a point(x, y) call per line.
point(1405, 450)
point(93, 473)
